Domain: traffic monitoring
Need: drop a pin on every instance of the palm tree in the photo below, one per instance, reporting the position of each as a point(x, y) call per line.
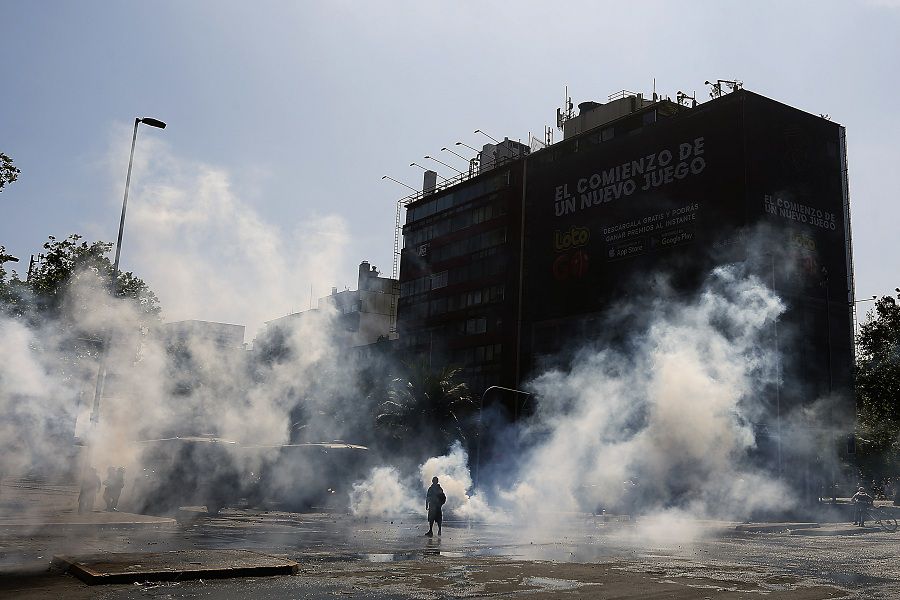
point(425, 405)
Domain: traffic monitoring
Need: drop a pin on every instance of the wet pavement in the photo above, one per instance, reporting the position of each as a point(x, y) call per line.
point(551, 556)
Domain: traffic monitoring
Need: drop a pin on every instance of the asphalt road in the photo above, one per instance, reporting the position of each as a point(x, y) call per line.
point(550, 556)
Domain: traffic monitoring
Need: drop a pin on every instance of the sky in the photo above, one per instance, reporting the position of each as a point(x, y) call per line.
point(266, 187)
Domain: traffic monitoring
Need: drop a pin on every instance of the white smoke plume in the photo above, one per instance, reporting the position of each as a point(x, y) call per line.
point(209, 253)
point(668, 418)
point(659, 426)
point(383, 493)
point(386, 492)
point(210, 256)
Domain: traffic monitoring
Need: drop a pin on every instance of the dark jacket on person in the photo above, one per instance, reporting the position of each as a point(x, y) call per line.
point(434, 500)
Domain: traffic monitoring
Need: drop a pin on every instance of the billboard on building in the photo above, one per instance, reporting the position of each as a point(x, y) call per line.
point(741, 177)
point(605, 209)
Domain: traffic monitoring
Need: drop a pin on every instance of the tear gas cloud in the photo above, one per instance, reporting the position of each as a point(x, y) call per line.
point(660, 424)
point(208, 255)
point(208, 252)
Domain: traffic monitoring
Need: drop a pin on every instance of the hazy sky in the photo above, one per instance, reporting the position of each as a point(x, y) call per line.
point(283, 116)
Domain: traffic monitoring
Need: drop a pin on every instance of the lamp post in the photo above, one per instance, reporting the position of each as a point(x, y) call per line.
point(383, 177)
point(445, 149)
point(480, 424)
point(467, 146)
point(487, 136)
point(443, 163)
point(473, 162)
point(101, 371)
point(426, 169)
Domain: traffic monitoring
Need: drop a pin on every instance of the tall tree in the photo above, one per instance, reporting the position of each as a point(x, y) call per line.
point(878, 388)
point(426, 408)
point(51, 296)
point(63, 264)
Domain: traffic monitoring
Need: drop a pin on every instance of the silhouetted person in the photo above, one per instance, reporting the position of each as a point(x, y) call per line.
point(90, 485)
point(434, 500)
point(862, 501)
point(108, 483)
point(115, 481)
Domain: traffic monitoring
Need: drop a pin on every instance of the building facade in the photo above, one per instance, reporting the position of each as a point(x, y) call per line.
point(501, 273)
point(459, 276)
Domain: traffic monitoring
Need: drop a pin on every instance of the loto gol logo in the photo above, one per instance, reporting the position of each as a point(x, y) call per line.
point(573, 238)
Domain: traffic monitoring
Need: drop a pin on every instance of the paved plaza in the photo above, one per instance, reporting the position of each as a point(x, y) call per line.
point(553, 556)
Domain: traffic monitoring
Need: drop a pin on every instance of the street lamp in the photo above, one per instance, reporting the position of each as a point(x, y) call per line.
point(480, 409)
point(473, 162)
point(426, 169)
point(152, 123)
point(445, 149)
point(467, 146)
point(487, 135)
point(383, 177)
point(443, 163)
point(101, 371)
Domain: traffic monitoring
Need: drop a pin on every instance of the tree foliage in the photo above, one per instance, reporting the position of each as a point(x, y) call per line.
point(8, 171)
point(62, 265)
point(426, 408)
point(878, 387)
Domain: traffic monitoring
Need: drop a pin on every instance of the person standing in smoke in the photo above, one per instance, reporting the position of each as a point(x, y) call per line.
point(434, 500)
point(90, 485)
point(108, 483)
point(115, 481)
point(862, 501)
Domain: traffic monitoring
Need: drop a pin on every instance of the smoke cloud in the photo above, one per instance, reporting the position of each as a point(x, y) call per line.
point(659, 425)
point(209, 255)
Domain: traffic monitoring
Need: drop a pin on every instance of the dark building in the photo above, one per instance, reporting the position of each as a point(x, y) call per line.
point(502, 271)
point(460, 271)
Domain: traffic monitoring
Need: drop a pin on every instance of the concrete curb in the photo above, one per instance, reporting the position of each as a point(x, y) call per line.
point(177, 565)
point(808, 529)
point(773, 527)
point(88, 521)
point(847, 530)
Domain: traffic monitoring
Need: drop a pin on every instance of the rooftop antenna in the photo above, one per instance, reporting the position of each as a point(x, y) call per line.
point(654, 89)
point(563, 115)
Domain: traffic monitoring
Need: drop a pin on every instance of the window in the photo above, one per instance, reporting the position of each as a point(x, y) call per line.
point(475, 326)
point(460, 195)
point(439, 280)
